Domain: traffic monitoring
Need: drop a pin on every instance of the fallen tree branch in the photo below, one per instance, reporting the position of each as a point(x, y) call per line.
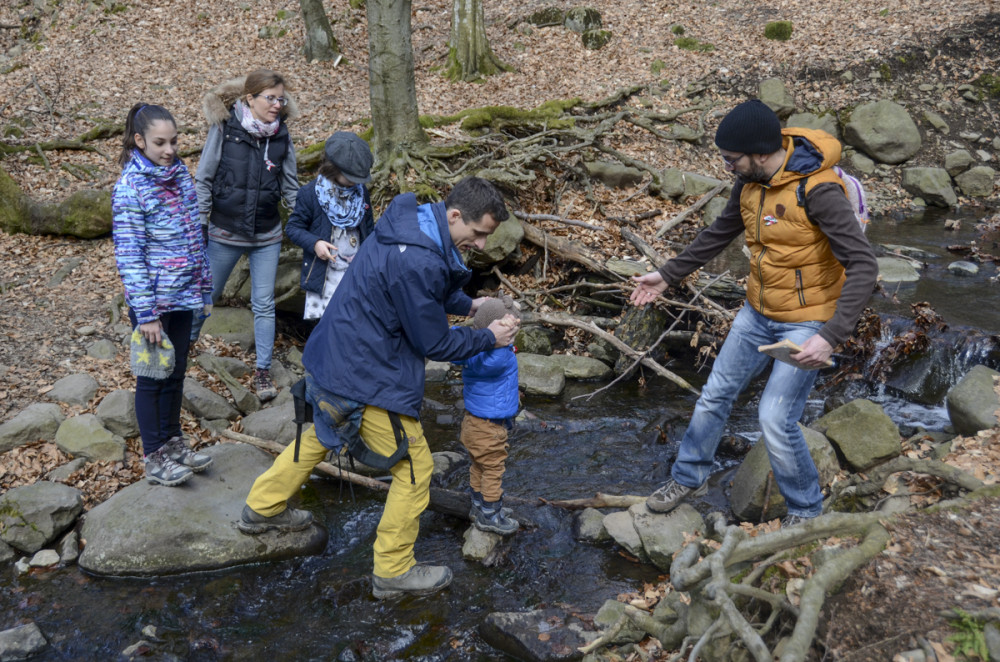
point(568, 250)
point(558, 219)
point(599, 500)
point(702, 201)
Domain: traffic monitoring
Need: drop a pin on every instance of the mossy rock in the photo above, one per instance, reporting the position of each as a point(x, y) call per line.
point(692, 44)
point(595, 39)
point(989, 84)
point(583, 19)
point(778, 30)
point(85, 214)
point(547, 16)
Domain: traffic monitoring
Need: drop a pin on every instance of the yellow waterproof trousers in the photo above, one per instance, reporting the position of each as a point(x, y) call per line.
point(400, 523)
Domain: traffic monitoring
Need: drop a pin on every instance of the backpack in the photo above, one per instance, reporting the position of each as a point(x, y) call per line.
point(852, 188)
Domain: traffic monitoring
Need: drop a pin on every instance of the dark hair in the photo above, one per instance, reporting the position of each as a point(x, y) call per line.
point(138, 120)
point(260, 80)
point(328, 170)
point(475, 197)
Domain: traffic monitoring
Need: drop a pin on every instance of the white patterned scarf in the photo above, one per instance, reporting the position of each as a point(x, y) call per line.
point(344, 206)
point(254, 126)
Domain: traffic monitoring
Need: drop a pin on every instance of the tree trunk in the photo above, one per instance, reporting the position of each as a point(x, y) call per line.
point(392, 87)
point(469, 54)
point(320, 42)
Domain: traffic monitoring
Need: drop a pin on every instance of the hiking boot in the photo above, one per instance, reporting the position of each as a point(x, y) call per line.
point(477, 505)
point(179, 451)
point(419, 580)
point(289, 519)
point(792, 520)
point(263, 386)
point(671, 495)
point(491, 517)
point(161, 469)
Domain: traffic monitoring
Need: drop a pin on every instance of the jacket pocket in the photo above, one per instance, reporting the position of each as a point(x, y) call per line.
point(799, 288)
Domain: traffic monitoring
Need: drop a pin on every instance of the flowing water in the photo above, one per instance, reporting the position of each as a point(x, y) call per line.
point(320, 607)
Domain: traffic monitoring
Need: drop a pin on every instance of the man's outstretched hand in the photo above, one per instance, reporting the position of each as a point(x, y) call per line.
point(504, 330)
point(647, 288)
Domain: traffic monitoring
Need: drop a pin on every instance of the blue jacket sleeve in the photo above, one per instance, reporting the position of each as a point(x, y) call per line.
point(491, 363)
point(458, 303)
point(129, 232)
point(418, 291)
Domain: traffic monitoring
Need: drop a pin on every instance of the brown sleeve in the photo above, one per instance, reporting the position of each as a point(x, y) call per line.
point(710, 242)
point(830, 209)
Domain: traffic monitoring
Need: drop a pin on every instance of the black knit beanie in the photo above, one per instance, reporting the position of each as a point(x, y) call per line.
point(750, 128)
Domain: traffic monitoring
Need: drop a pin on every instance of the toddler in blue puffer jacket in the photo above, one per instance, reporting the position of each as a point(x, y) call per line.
point(491, 402)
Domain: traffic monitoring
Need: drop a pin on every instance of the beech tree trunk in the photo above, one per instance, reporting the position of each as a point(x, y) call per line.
point(392, 87)
point(469, 54)
point(320, 43)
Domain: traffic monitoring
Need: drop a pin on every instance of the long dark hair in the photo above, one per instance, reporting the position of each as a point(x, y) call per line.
point(139, 119)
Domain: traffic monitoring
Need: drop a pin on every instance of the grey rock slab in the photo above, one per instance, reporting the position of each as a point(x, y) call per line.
point(116, 412)
point(537, 376)
point(44, 558)
point(276, 423)
point(282, 376)
point(78, 389)
point(21, 643)
point(149, 529)
point(608, 616)
point(775, 95)
point(206, 403)
point(963, 268)
point(518, 634)
point(531, 339)
point(613, 174)
point(620, 527)
point(581, 367)
point(931, 184)
point(973, 402)
point(977, 182)
point(588, 526)
point(499, 245)
point(34, 515)
point(85, 436)
point(481, 546)
point(63, 471)
point(957, 162)
point(436, 371)
point(896, 270)
point(447, 461)
point(37, 422)
point(230, 364)
point(862, 432)
point(662, 535)
point(231, 324)
point(7, 552)
point(825, 122)
point(69, 547)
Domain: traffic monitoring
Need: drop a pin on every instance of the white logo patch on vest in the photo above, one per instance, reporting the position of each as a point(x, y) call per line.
point(402, 248)
point(770, 220)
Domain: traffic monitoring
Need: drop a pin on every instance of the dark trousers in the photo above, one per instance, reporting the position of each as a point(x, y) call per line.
point(158, 401)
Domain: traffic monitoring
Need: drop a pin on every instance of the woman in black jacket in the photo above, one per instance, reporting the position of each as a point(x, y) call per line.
point(246, 168)
point(333, 215)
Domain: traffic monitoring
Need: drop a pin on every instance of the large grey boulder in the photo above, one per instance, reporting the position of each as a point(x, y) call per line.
point(533, 339)
point(750, 483)
point(232, 325)
point(499, 245)
point(85, 436)
point(22, 642)
point(538, 376)
point(958, 162)
point(148, 529)
point(275, 423)
point(697, 185)
point(206, 403)
point(973, 402)
point(825, 122)
point(775, 96)
point(36, 422)
point(580, 367)
point(117, 413)
point(581, 19)
point(78, 389)
point(35, 515)
point(862, 432)
point(230, 364)
point(884, 131)
point(662, 535)
point(613, 174)
point(542, 635)
point(931, 184)
point(977, 182)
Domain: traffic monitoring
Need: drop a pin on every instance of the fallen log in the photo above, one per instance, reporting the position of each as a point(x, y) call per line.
point(568, 250)
point(599, 500)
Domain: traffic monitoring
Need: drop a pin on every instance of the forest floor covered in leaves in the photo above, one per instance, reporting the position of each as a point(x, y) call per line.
point(84, 64)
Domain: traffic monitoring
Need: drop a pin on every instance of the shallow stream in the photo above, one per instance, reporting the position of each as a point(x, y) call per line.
point(320, 608)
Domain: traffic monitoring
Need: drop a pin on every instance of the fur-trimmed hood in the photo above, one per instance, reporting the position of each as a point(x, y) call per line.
point(218, 101)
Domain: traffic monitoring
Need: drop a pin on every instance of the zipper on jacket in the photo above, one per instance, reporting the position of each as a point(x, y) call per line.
point(799, 289)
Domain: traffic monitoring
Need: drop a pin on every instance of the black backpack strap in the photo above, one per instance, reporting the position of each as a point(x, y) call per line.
point(402, 441)
point(303, 413)
point(800, 196)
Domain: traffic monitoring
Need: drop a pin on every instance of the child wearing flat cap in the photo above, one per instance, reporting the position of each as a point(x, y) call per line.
point(491, 402)
point(332, 216)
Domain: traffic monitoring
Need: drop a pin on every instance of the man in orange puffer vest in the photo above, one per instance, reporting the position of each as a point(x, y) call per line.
point(811, 276)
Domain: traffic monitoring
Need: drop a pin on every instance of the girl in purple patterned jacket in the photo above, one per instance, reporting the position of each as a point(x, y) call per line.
point(161, 258)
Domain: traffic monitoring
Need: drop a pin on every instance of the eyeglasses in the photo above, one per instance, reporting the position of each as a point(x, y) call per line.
point(274, 101)
point(732, 160)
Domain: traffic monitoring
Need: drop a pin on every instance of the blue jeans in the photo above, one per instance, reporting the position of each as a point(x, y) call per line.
point(781, 407)
point(158, 401)
point(263, 273)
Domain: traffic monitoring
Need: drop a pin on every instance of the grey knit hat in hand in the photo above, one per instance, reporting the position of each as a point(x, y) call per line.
point(494, 309)
point(155, 361)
